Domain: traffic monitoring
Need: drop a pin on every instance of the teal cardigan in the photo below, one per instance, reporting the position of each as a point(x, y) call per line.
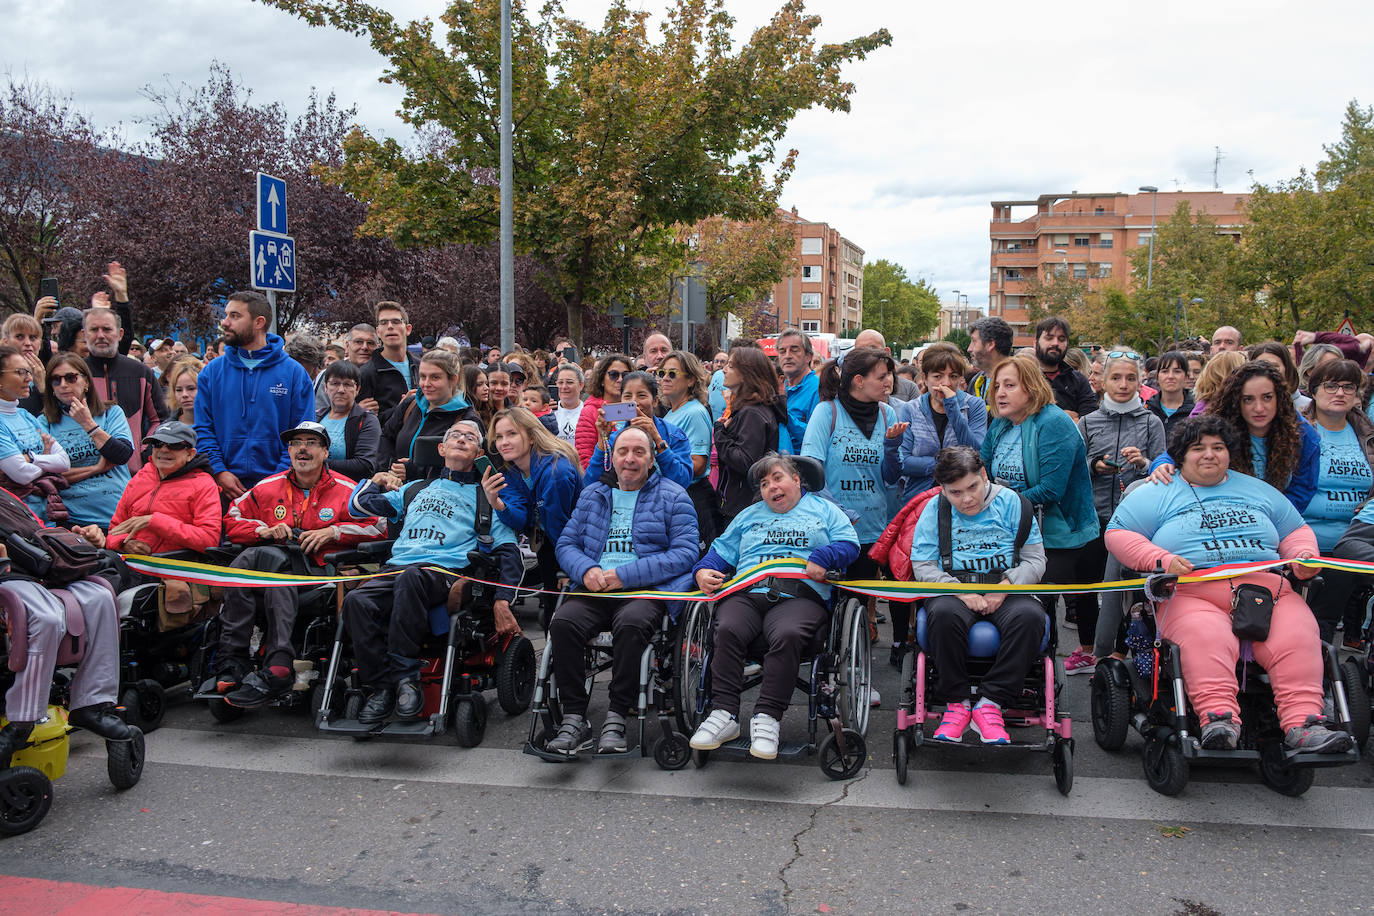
point(1056, 461)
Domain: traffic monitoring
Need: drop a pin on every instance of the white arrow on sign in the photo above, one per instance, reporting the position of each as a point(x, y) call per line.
point(274, 201)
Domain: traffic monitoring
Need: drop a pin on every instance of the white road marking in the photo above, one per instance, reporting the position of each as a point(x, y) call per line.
point(751, 781)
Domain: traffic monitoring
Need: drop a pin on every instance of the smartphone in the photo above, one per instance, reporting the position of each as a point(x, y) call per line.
point(570, 354)
point(48, 287)
point(1114, 465)
point(616, 413)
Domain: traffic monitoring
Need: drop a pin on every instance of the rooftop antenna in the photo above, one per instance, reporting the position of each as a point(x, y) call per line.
point(1216, 166)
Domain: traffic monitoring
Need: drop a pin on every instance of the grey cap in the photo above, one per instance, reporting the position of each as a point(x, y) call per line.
point(171, 433)
point(308, 426)
point(66, 313)
point(515, 369)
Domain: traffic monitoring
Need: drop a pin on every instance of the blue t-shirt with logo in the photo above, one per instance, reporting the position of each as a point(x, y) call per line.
point(1242, 518)
point(693, 420)
point(759, 534)
point(978, 543)
point(1009, 462)
point(620, 545)
point(19, 433)
point(91, 501)
point(1343, 482)
point(338, 447)
point(853, 464)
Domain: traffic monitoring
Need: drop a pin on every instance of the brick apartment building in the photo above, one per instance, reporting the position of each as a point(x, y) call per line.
point(825, 294)
point(1088, 235)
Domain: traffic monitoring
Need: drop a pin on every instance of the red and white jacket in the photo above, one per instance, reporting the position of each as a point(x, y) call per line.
point(279, 500)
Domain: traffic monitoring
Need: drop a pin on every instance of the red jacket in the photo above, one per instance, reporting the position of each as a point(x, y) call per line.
point(893, 547)
point(277, 499)
point(184, 508)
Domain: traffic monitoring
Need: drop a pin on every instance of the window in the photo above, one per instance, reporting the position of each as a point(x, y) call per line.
point(1080, 271)
point(811, 246)
point(1013, 274)
point(1061, 240)
point(1143, 238)
point(811, 327)
point(1104, 270)
point(1105, 241)
point(812, 273)
point(1058, 269)
point(810, 300)
point(1081, 241)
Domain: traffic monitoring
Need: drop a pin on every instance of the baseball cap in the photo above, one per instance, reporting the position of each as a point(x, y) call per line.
point(66, 313)
point(308, 426)
point(514, 369)
point(172, 432)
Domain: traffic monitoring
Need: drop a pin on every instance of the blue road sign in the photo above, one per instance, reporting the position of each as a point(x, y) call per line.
point(272, 261)
point(271, 204)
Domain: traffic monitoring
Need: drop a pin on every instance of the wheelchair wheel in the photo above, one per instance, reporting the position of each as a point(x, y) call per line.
point(690, 667)
point(700, 758)
point(470, 720)
point(1357, 697)
point(845, 765)
point(223, 712)
point(516, 670)
point(337, 700)
point(25, 797)
point(124, 761)
point(1166, 769)
point(1063, 765)
point(855, 668)
point(1278, 774)
point(671, 752)
point(1111, 711)
point(145, 703)
point(901, 752)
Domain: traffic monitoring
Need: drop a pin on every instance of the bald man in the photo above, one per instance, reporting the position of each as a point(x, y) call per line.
point(1225, 338)
point(656, 347)
point(906, 388)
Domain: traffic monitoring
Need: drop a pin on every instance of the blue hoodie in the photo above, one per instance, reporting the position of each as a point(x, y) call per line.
point(242, 412)
point(556, 482)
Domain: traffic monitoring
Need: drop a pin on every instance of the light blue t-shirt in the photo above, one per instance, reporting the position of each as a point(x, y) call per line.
point(715, 396)
point(1343, 482)
point(620, 545)
point(1259, 455)
point(440, 526)
point(91, 501)
point(19, 433)
point(1242, 518)
point(1009, 461)
point(402, 367)
point(759, 534)
point(338, 447)
point(978, 543)
point(853, 464)
point(693, 420)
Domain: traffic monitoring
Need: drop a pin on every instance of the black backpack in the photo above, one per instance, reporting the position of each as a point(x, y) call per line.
point(944, 518)
point(53, 556)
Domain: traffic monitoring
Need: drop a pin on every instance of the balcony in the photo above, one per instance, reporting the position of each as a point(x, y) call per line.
point(1025, 257)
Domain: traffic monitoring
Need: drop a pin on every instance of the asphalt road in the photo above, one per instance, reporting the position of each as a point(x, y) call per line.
point(269, 809)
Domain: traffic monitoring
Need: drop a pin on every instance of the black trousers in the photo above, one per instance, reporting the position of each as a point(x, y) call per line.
point(788, 626)
point(1071, 566)
point(388, 621)
point(704, 500)
point(1021, 622)
point(577, 620)
point(279, 607)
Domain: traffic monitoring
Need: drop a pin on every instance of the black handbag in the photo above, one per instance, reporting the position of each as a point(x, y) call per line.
point(1252, 610)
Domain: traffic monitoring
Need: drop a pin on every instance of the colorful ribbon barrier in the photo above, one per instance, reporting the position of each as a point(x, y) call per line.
point(893, 590)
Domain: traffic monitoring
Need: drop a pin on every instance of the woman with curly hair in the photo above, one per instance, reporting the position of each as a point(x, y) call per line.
point(1275, 444)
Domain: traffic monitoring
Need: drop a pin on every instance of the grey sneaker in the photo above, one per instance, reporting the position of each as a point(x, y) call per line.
point(574, 735)
point(1220, 733)
point(612, 739)
point(1314, 736)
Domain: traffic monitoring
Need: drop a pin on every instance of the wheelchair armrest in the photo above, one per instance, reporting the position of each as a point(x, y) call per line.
point(366, 552)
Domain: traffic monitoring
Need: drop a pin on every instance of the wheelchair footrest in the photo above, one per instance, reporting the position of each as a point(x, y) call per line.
point(786, 749)
point(416, 728)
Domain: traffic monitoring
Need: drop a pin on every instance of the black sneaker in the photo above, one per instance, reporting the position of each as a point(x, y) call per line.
point(13, 737)
point(1220, 733)
point(258, 689)
point(380, 705)
point(894, 658)
point(101, 720)
point(229, 676)
point(410, 699)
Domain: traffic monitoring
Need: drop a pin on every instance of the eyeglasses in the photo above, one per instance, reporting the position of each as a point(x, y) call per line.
point(303, 441)
point(172, 446)
point(21, 371)
point(464, 436)
point(666, 373)
point(69, 378)
point(614, 374)
point(1342, 387)
point(1123, 354)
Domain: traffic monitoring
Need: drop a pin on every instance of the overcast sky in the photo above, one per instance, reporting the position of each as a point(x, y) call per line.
point(972, 102)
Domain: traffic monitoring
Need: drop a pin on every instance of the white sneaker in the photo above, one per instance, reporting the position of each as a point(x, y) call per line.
point(718, 728)
point(763, 736)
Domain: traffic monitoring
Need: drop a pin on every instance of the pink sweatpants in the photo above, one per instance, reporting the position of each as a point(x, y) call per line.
point(1198, 620)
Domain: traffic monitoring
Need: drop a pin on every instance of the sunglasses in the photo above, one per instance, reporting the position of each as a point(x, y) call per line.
point(171, 446)
point(614, 374)
point(69, 378)
point(1123, 354)
point(666, 373)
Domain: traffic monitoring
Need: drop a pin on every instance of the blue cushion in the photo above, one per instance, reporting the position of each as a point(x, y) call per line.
point(438, 620)
point(983, 637)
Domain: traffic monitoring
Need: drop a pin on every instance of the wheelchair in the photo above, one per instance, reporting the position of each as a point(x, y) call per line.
point(1147, 694)
point(1039, 705)
point(26, 784)
point(463, 658)
point(837, 677)
point(658, 690)
point(311, 637)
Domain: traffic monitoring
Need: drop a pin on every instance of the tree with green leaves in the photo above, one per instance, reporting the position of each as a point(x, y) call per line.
point(903, 310)
point(619, 136)
point(737, 261)
point(1353, 152)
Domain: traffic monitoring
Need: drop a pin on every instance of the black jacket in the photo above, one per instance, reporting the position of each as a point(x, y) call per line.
point(132, 386)
point(410, 420)
point(1072, 391)
point(362, 445)
point(380, 380)
point(752, 433)
point(1181, 414)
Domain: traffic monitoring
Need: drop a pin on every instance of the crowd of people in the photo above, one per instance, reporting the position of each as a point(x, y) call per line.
point(662, 470)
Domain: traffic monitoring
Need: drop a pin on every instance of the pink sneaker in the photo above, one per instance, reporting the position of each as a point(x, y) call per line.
point(953, 724)
point(987, 722)
point(1080, 662)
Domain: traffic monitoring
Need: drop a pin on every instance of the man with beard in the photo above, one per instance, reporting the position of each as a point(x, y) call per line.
point(248, 397)
point(989, 343)
point(120, 379)
point(1072, 393)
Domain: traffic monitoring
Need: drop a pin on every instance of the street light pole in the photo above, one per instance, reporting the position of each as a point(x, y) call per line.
point(507, 196)
point(1150, 265)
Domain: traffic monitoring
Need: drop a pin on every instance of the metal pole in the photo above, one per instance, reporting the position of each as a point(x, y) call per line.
point(686, 293)
point(1150, 265)
point(507, 203)
point(272, 301)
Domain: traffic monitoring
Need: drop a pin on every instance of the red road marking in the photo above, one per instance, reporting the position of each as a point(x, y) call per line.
point(36, 897)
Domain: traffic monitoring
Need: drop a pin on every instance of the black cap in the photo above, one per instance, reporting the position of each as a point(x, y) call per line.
point(172, 432)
